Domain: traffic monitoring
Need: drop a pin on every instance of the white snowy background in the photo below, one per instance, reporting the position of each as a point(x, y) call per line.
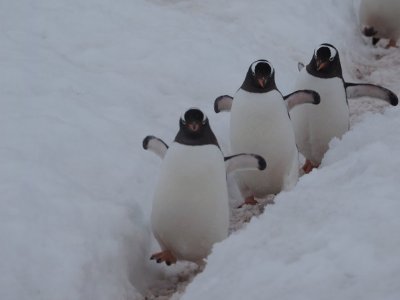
point(81, 84)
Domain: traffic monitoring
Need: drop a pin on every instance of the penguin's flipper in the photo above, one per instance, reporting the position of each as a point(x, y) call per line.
point(244, 161)
point(301, 97)
point(223, 103)
point(300, 66)
point(355, 90)
point(156, 145)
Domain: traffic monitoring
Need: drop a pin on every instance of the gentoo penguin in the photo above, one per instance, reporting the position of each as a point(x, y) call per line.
point(315, 126)
point(260, 123)
point(380, 19)
point(190, 209)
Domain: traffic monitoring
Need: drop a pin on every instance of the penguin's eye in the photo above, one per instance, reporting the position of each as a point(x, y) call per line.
point(183, 120)
point(333, 54)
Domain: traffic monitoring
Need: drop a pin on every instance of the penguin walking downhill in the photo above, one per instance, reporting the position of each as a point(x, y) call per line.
point(190, 208)
point(315, 126)
point(380, 19)
point(260, 123)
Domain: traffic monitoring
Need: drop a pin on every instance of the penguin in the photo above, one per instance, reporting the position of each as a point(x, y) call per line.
point(315, 126)
point(380, 19)
point(190, 210)
point(260, 123)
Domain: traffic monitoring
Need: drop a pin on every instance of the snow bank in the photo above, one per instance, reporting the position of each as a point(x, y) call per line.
point(73, 220)
point(332, 237)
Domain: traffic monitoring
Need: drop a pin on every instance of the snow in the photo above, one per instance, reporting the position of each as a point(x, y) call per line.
point(333, 236)
point(82, 83)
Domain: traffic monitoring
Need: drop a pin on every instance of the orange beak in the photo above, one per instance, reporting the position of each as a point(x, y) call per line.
point(194, 126)
point(262, 81)
point(321, 65)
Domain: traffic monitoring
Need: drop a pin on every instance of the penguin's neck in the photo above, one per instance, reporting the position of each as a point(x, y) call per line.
point(206, 138)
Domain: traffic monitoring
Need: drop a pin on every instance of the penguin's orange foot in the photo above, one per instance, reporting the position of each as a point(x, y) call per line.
point(308, 166)
point(392, 43)
point(248, 201)
point(164, 256)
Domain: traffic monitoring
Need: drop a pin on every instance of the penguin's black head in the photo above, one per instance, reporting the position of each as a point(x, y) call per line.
point(194, 129)
point(262, 71)
point(325, 62)
point(193, 122)
point(324, 55)
point(260, 77)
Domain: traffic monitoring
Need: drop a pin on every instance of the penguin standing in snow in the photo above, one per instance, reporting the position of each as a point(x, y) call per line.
point(380, 19)
point(315, 126)
point(260, 124)
point(190, 209)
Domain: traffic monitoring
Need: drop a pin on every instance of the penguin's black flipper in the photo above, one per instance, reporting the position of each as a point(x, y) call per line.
point(300, 66)
point(356, 90)
point(244, 161)
point(301, 97)
point(155, 145)
point(223, 103)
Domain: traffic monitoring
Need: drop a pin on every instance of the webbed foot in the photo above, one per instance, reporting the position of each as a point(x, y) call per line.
point(164, 256)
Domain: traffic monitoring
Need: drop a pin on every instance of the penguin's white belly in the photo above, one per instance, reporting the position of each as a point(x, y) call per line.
point(383, 15)
point(260, 124)
point(190, 208)
point(316, 125)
